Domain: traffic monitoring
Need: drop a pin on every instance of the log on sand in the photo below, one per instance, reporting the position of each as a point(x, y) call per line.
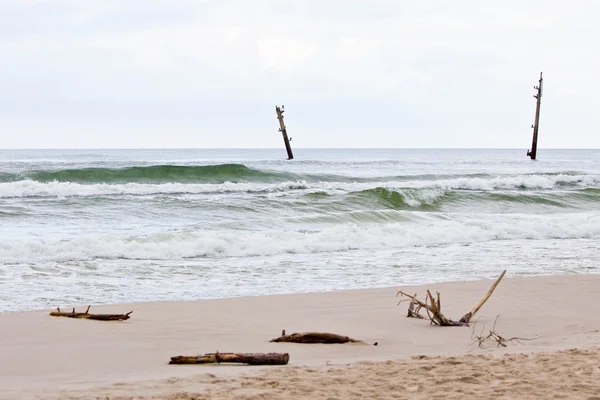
point(314, 337)
point(433, 307)
point(87, 315)
point(240, 358)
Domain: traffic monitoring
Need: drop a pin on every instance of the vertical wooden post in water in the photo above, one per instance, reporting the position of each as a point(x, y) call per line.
point(532, 153)
point(283, 131)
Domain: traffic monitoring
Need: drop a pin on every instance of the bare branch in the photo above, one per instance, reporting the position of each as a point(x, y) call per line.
point(467, 317)
point(494, 336)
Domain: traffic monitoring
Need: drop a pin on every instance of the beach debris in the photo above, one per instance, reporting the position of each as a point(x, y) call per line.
point(87, 315)
point(494, 336)
point(239, 358)
point(538, 96)
point(413, 310)
point(314, 337)
point(283, 130)
point(433, 307)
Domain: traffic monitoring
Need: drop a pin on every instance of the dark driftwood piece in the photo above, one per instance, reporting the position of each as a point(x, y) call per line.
point(315, 337)
point(433, 307)
point(87, 315)
point(240, 358)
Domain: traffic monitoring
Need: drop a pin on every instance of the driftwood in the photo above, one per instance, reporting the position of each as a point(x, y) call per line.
point(413, 310)
point(314, 337)
point(241, 358)
point(496, 337)
point(87, 315)
point(433, 307)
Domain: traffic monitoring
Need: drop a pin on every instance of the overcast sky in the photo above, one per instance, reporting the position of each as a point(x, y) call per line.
point(351, 73)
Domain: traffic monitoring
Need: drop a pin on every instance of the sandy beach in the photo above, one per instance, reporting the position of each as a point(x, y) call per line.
point(60, 358)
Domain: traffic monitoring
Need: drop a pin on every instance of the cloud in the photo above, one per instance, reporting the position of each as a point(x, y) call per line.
point(444, 73)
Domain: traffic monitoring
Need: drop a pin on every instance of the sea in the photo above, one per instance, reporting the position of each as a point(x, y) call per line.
point(82, 227)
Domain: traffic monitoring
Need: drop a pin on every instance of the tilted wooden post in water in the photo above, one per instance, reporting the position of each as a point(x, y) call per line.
point(533, 152)
point(283, 131)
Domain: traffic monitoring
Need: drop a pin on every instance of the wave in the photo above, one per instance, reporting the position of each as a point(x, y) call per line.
point(435, 199)
point(427, 231)
point(5, 214)
point(239, 173)
point(433, 195)
point(401, 199)
point(151, 174)
point(523, 182)
point(24, 189)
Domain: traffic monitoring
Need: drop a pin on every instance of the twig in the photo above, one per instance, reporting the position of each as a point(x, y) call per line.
point(496, 337)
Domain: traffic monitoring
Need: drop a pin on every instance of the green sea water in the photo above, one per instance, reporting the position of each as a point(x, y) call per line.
point(106, 226)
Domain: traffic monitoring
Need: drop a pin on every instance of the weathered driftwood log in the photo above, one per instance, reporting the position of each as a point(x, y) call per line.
point(87, 315)
point(433, 307)
point(240, 358)
point(467, 317)
point(315, 337)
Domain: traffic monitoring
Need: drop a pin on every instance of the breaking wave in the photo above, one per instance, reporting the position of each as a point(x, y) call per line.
point(342, 237)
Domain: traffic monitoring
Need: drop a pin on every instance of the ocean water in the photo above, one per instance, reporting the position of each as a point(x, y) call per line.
point(110, 226)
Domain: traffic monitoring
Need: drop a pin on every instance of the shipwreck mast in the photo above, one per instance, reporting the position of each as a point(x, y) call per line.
point(283, 131)
point(532, 153)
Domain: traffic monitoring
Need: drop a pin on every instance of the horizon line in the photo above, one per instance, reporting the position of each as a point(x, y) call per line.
point(297, 148)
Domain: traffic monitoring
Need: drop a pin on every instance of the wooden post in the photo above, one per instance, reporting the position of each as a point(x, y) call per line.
point(533, 152)
point(283, 131)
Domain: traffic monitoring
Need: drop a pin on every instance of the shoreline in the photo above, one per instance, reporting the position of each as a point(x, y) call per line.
point(83, 305)
point(45, 356)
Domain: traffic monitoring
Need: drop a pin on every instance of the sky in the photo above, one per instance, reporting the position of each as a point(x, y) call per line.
point(351, 73)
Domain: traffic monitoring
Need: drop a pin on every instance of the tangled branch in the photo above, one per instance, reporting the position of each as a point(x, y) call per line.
point(494, 336)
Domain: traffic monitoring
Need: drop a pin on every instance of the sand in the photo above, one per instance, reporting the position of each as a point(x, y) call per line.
point(59, 358)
